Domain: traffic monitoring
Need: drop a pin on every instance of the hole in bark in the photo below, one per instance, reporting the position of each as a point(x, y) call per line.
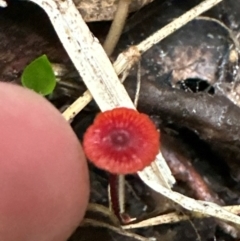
point(196, 85)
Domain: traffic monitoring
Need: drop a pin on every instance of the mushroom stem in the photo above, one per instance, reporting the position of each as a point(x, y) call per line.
point(117, 194)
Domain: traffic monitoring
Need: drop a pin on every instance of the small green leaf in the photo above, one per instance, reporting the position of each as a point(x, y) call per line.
point(39, 76)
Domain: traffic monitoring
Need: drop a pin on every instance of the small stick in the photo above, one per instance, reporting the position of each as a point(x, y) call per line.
point(76, 106)
point(138, 87)
point(117, 26)
point(173, 217)
point(176, 24)
point(105, 211)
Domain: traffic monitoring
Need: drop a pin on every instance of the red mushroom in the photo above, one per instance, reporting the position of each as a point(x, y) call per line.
point(121, 141)
point(44, 183)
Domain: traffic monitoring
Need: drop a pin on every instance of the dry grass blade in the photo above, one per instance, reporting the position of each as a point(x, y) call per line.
point(173, 217)
point(158, 171)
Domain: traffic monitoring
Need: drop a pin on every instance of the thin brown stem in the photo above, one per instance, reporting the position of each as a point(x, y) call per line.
point(114, 194)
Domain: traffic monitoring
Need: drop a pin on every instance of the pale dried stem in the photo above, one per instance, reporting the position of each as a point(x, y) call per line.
point(117, 26)
point(138, 86)
point(176, 24)
point(97, 208)
point(173, 217)
point(76, 106)
point(121, 193)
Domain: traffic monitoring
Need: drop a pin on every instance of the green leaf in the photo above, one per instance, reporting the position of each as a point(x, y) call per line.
point(39, 76)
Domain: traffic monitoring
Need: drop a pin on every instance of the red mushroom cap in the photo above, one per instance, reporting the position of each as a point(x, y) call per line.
point(121, 141)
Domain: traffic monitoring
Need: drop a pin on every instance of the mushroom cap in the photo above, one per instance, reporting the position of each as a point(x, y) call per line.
point(121, 141)
point(44, 186)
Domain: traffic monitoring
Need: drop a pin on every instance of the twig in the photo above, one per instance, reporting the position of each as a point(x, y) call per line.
point(117, 26)
point(76, 106)
point(97, 208)
point(173, 217)
point(138, 86)
point(176, 24)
